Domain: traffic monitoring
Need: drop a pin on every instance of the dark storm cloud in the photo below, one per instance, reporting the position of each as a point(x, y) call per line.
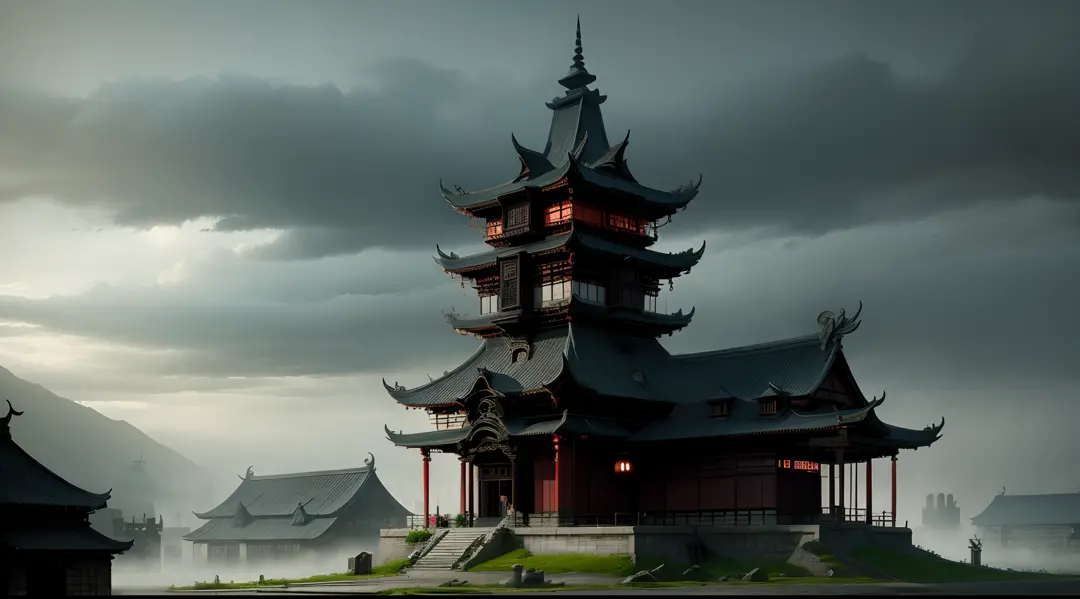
point(836, 144)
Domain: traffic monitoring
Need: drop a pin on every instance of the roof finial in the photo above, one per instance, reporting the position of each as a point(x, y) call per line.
point(5, 422)
point(578, 76)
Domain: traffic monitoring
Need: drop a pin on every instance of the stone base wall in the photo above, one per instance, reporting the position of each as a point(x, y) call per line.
point(392, 546)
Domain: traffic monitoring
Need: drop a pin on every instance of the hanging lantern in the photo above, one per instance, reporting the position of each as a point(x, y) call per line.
point(623, 467)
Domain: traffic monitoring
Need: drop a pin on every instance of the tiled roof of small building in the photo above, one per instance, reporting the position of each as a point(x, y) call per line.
point(321, 493)
point(1031, 510)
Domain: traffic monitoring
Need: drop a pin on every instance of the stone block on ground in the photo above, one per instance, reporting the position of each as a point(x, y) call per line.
point(756, 575)
point(533, 578)
point(360, 564)
point(643, 576)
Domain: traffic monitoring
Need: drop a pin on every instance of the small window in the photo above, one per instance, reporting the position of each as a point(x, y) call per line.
point(489, 304)
point(650, 303)
point(519, 355)
point(555, 291)
point(494, 227)
point(558, 213)
point(721, 409)
point(589, 292)
point(768, 407)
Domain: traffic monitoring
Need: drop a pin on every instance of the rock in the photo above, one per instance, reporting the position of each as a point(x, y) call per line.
point(515, 575)
point(756, 575)
point(360, 564)
point(830, 573)
point(533, 578)
point(722, 579)
point(691, 571)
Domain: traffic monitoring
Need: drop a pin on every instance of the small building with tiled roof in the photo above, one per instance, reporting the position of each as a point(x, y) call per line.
point(572, 412)
point(305, 514)
point(1040, 522)
point(47, 546)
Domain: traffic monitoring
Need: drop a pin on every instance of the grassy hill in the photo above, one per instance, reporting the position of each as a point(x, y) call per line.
point(92, 450)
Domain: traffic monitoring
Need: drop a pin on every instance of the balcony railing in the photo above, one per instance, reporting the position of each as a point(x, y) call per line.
point(858, 514)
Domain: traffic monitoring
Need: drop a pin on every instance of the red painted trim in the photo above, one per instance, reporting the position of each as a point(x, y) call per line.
point(894, 491)
point(427, 486)
point(556, 440)
point(462, 507)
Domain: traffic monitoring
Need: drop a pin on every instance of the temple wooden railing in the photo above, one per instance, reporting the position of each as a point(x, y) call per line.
point(748, 517)
point(854, 515)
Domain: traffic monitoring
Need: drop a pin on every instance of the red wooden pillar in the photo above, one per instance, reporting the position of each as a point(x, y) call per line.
point(869, 492)
point(471, 470)
point(832, 491)
point(894, 490)
point(426, 455)
point(461, 508)
point(556, 506)
point(843, 476)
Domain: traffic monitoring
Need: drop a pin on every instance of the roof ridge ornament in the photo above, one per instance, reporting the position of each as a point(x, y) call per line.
point(370, 462)
point(835, 326)
point(578, 76)
point(5, 422)
point(247, 475)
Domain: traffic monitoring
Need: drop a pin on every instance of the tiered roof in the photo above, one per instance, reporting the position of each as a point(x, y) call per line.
point(27, 483)
point(290, 507)
point(639, 368)
point(665, 264)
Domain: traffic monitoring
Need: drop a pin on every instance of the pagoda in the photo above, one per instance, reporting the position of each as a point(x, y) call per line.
point(571, 411)
point(47, 546)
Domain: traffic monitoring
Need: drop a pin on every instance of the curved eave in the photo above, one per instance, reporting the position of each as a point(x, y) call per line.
point(908, 438)
point(656, 322)
point(432, 439)
point(404, 396)
point(661, 202)
point(666, 265)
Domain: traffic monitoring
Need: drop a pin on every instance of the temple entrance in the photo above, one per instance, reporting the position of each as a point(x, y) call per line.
point(496, 490)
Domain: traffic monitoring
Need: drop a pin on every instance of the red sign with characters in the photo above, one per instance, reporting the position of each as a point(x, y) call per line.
point(798, 465)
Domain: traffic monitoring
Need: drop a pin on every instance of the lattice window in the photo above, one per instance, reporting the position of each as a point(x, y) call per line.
point(721, 409)
point(517, 216)
point(552, 292)
point(494, 227)
point(558, 213)
point(590, 292)
point(650, 303)
point(509, 282)
point(768, 407)
point(626, 223)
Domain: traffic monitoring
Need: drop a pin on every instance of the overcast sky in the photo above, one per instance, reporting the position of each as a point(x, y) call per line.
point(217, 218)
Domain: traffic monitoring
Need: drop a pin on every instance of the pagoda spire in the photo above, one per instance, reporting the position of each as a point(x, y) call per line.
point(578, 76)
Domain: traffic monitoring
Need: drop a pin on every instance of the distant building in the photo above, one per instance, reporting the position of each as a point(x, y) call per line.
point(137, 493)
point(943, 514)
point(294, 515)
point(47, 546)
point(1032, 521)
point(145, 536)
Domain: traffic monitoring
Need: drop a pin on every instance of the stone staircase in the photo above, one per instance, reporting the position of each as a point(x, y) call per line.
point(450, 548)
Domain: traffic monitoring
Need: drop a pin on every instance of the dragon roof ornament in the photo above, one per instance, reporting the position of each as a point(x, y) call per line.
point(835, 326)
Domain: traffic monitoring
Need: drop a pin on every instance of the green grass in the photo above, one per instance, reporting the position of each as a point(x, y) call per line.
point(929, 569)
point(611, 565)
point(391, 568)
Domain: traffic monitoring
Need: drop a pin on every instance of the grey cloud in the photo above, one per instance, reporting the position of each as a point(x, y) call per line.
point(842, 143)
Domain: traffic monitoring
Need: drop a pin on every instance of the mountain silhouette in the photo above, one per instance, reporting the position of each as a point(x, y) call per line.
point(96, 452)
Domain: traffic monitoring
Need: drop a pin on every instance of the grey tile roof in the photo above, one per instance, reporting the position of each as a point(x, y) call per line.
point(1031, 510)
point(61, 539)
point(635, 367)
point(667, 202)
point(321, 493)
point(567, 423)
point(25, 481)
point(492, 357)
point(260, 529)
point(677, 262)
point(694, 421)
